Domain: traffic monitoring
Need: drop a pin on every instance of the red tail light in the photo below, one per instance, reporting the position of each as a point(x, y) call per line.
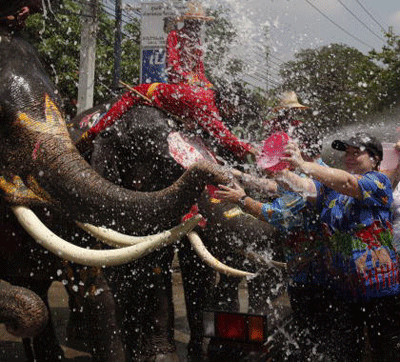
point(256, 328)
point(235, 326)
point(231, 326)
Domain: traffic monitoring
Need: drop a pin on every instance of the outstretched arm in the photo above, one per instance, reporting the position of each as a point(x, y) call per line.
point(338, 180)
point(266, 186)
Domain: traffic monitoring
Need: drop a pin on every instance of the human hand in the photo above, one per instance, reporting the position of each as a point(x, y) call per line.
point(232, 194)
point(294, 157)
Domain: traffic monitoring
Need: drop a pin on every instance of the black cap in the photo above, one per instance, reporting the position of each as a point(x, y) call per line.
point(361, 140)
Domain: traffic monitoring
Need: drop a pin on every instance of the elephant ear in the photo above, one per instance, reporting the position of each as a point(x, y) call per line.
point(16, 192)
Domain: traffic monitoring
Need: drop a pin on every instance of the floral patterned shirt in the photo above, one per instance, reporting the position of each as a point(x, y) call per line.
point(358, 254)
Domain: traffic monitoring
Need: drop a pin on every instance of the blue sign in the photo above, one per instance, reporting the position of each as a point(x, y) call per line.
point(153, 66)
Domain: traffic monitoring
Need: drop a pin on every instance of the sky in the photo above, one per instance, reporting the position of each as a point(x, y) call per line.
point(301, 24)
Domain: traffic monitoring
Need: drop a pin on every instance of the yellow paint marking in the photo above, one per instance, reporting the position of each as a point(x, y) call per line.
point(236, 211)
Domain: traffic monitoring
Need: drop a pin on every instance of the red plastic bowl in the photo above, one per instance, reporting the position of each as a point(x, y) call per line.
point(273, 151)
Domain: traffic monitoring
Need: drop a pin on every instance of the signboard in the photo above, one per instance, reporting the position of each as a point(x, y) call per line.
point(154, 31)
point(153, 66)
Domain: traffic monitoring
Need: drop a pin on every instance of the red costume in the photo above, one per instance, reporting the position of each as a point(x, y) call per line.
point(186, 71)
point(181, 100)
point(185, 59)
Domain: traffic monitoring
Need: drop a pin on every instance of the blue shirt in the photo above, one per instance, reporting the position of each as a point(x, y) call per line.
point(358, 255)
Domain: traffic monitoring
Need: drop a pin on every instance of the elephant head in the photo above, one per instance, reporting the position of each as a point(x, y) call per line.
point(40, 166)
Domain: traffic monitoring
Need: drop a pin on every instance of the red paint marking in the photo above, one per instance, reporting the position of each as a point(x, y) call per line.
point(36, 150)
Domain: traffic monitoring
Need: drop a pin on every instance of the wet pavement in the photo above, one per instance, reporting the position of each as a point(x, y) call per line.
point(11, 348)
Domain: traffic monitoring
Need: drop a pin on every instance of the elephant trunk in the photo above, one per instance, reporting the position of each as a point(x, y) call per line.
point(23, 312)
point(68, 182)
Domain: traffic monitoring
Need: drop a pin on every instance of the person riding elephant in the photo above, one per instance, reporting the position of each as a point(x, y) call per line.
point(184, 54)
point(185, 70)
point(42, 170)
point(179, 100)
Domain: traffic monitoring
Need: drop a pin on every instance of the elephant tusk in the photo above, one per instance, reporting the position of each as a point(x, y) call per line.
point(116, 239)
point(212, 262)
point(100, 258)
point(260, 260)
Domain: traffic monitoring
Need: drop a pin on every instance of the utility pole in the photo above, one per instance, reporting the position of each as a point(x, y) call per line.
point(117, 45)
point(87, 55)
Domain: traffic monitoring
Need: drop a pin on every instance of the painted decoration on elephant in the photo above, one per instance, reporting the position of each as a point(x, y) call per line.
point(188, 150)
point(52, 123)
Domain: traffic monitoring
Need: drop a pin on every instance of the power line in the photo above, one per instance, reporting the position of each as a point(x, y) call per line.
point(261, 79)
point(270, 55)
point(269, 60)
point(362, 6)
point(359, 20)
point(337, 25)
point(267, 78)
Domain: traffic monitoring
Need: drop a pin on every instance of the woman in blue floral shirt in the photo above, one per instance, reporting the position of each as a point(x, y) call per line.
point(361, 272)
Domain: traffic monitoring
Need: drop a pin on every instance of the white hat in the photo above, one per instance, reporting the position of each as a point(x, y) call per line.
point(289, 100)
point(195, 11)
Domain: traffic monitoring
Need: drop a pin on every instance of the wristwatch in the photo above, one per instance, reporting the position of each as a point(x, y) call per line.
point(241, 201)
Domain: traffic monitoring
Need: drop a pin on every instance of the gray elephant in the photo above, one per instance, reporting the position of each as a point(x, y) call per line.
point(134, 153)
point(41, 170)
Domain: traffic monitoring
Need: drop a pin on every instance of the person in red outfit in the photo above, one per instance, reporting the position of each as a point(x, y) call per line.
point(185, 69)
point(179, 100)
point(188, 94)
point(184, 56)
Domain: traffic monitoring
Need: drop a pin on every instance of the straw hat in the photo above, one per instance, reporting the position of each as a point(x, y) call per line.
point(196, 12)
point(289, 100)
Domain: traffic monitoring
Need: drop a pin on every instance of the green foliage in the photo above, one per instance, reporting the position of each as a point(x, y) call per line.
point(389, 57)
point(57, 39)
point(220, 34)
point(338, 82)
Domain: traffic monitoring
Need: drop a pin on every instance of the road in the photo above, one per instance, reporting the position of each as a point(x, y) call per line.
point(11, 348)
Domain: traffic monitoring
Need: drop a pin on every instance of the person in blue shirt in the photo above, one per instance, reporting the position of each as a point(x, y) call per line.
point(360, 289)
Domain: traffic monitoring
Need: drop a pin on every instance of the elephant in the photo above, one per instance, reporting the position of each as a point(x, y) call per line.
point(134, 153)
point(42, 172)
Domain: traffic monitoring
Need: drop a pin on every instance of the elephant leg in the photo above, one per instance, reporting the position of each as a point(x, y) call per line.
point(27, 342)
point(159, 342)
point(143, 291)
point(94, 313)
point(77, 332)
point(226, 295)
point(198, 283)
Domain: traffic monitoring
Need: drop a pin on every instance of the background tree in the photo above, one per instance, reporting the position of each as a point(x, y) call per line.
point(389, 58)
point(222, 66)
point(57, 40)
point(338, 82)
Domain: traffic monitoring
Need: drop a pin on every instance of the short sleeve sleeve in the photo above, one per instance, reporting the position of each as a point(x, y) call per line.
point(376, 189)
